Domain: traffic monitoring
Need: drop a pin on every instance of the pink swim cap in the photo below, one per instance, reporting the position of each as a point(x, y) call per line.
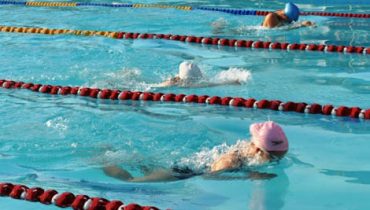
point(269, 137)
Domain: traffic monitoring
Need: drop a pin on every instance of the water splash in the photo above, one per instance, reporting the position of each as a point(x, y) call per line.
point(125, 79)
point(202, 160)
point(131, 79)
point(247, 29)
point(233, 75)
point(110, 156)
point(60, 124)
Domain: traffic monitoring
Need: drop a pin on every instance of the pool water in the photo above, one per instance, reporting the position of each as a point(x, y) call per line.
point(62, 142)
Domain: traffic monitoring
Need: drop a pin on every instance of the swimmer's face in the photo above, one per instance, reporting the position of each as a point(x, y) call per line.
point(268, 155)
point(283, 17)
point(254, 150)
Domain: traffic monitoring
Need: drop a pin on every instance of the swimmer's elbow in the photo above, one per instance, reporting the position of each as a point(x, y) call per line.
point(117, 172)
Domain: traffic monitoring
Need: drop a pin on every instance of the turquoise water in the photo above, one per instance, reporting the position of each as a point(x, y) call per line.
point(62, 142)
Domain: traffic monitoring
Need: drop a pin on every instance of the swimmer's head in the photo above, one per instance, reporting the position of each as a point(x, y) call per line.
point(291, 11)
point(269, 137)
point(189, 71)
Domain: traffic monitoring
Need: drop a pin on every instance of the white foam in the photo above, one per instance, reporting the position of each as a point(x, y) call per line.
point(125, 74)
point(203, 160)
point(233, 75)
point(247, 29)
point(60, 124)
point(127, 78)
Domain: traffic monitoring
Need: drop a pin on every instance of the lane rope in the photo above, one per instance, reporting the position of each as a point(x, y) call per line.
point(237, 43)
point(179, 7)
point(50, 4)
point(277, 105)
point(264, 13)
point(65, 199)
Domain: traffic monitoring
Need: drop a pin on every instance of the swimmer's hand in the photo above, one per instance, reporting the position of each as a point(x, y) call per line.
point(160, 85)
point(255, 175)
point(308, 23)
point(301, 24)
point(168, 83)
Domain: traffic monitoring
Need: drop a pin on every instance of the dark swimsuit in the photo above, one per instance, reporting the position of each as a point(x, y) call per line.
point(184, 172)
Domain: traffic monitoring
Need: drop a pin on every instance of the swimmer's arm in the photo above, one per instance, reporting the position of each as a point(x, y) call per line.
point(270, 21)
point(255, 175)
point(166, 83)
point(302, 24)
point(160, 175)
point(117, 172)
point(250, 175)
point(228, 161)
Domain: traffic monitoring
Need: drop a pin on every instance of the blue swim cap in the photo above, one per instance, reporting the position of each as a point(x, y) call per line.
point(291, 11)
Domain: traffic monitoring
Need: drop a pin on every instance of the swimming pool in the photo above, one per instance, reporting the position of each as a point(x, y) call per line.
point(61, 142)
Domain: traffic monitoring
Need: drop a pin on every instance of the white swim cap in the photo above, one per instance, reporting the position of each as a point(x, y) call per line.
point(189, 71)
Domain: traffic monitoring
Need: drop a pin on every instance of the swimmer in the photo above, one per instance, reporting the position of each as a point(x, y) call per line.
point(284, 17)
point(191, 76)
point(268, 143)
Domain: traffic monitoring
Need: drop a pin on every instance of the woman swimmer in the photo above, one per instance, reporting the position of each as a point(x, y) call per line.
point(275, 19)
point(284, 17)
point(268, 143)
point(191, 76)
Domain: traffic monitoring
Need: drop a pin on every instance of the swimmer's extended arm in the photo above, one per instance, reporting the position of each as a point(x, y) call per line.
point(162, 84)
point(161, 175)
point(117, 172)
point(251, 175)
point(301, 24)
point(168, 83)
point(255, 175)
point(307, 23)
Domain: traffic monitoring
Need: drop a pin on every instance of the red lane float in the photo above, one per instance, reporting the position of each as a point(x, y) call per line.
point(334, 14)
point(327, 14)
point(257, 44)
point(264, 45)
point(194, 39)
point(65, 199)
point(301, 107)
